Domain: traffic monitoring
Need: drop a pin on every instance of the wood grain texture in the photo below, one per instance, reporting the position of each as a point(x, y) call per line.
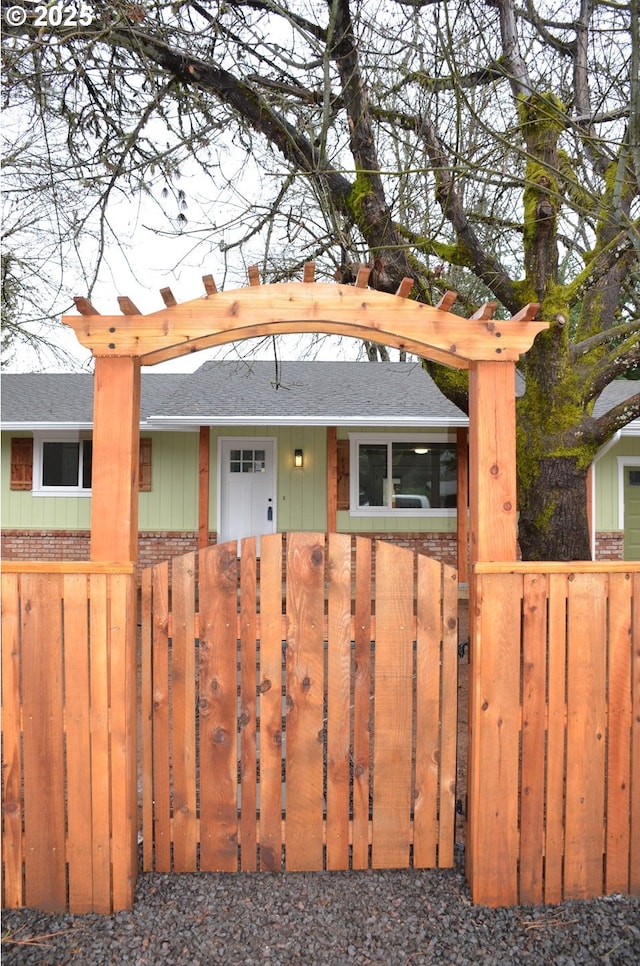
point(12, 799)
point(248, 705)
point(305, 725)
point(293, 307)
point(218, 709)
point(183, 718)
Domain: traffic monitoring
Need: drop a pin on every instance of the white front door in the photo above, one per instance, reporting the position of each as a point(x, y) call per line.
point(247, 488)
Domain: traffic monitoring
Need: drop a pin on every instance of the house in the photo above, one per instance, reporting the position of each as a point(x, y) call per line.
point(241, 448)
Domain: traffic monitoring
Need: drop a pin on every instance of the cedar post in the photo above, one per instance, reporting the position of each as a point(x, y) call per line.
point(332, 479)
point(114, 538)
point(492, 458)
point(116, 454)
point(493, 537)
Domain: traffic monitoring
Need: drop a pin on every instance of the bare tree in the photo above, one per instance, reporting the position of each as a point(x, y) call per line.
point(485, 147)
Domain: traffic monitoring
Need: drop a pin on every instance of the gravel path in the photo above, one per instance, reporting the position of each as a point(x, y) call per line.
point(339, 919)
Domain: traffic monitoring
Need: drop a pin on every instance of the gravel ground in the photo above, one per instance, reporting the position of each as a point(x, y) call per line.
point(338, 919)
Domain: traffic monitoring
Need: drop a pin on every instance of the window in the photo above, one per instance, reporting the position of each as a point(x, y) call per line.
point(408, 476)
point(62, 465)
point(247, 461)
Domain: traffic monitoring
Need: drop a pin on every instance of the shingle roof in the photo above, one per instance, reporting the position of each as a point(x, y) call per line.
point(256, 392)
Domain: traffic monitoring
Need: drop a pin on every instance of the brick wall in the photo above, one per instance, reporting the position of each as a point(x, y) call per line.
point(610, 545)
point(154, 547)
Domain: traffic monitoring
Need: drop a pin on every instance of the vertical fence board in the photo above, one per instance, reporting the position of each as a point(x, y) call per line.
point(634, 857)
point(305, 701)
point(556, 735)
point(218, 709)
point(12, 850)
point(146, 718)
point(338, 701)
point(161, 731)
point(123, 722)
point(183, 713)
point(393, 707)
point(78, 740)
point(448, 719)
point(271, 702)
point(44, 823)
point(362, 711)
point(534, 676)
point(586, 729)
point(618, 783)
point(100, 758)
point(428, 713)
point(248, 662)
point(495, 746)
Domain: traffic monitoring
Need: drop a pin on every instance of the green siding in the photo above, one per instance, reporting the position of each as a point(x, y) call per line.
point(22, 511)
point(172, 503)
point(606, 482)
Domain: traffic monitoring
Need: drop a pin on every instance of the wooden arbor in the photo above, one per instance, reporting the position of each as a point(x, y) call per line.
point(121, 344)
point(487, 348)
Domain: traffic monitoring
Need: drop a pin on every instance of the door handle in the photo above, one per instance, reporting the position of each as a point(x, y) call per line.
point(270, 511)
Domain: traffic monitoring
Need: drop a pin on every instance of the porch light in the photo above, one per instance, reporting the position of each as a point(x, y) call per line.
point(421, 450)
point(298, 458)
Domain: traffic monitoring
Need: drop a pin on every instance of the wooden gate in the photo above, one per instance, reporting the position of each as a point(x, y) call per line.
point(299, 711)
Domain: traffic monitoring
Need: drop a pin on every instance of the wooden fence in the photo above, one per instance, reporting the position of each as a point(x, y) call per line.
point(554, 756)
point(68, 736)
point(299, 713)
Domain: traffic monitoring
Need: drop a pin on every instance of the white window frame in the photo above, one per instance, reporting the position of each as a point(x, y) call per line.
point(356, 440)
point(624, 462)
point(38, 488)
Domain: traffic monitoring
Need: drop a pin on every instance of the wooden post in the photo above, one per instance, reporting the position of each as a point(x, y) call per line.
point(493, 537)
point(114, 537)
point(203, 486)
point(492, 458)
point(116, 454)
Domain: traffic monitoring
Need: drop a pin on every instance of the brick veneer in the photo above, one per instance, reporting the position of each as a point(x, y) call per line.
point(610, 545)
point(156, 546)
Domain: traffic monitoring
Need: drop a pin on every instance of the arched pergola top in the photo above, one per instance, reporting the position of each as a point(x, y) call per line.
point(294, 307)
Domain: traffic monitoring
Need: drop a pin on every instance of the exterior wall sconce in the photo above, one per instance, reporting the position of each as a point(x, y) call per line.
point(298, 458)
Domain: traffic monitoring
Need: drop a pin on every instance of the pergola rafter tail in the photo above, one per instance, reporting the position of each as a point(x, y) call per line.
point(293, 307)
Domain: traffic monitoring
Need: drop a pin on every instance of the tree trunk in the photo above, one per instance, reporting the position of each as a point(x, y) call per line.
point(553, 523)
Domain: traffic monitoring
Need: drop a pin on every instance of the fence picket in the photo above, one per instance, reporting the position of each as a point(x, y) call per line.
point(618, 782)
point(218, 709)
point(183, 713)
point(362, 709)
point(534, 677)
point(146, 718)
point(161, 729)
point(305, 726)
point(44, 820)
point(271, 703)
point(556, 734)
point(586, 730)
point(634, 851)
point(393, 706)
point(428, 713)
point(248, 705)
point(77, 713)
point(448, 718)
point(338, 700)
point(12, 843)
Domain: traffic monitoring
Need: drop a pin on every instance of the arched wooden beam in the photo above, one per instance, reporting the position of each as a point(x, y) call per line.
point(293, 307)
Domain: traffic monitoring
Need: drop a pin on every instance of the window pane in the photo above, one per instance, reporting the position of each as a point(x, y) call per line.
point(373, 474)
point(60, 463)
point(87, 457)
point(424, 475)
